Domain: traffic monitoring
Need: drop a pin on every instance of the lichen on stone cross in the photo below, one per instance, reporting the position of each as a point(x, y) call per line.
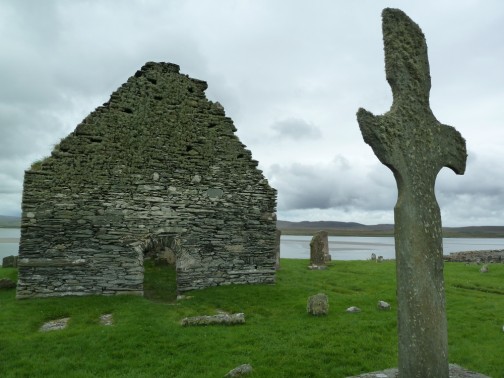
point(415, 146)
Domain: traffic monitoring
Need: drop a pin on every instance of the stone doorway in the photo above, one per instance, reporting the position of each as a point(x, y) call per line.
point(159, 259)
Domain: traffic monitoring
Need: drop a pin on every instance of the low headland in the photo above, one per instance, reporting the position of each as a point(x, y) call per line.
point(334, 228)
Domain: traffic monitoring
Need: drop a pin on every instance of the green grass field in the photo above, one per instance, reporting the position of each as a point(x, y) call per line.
point(279, 338)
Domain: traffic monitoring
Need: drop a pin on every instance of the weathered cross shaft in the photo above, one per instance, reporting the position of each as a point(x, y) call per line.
point(415, 146)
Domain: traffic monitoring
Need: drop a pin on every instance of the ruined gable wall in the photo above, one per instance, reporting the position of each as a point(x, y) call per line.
point(157, 161)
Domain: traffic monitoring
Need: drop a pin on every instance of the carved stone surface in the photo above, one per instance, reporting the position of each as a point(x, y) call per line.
point(156, 167)
point(415, 146)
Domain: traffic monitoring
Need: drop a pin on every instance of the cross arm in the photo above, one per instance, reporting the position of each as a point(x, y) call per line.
point(454, 149)
point(376, 132)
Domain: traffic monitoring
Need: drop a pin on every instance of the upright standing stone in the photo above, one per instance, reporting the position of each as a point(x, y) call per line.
point(319, 249)
point(277, 248)
point(9, 262)
point(415, 146)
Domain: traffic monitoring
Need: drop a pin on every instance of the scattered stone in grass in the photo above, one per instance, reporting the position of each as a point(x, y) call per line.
point(380, 259)
point(54, 325)
point(318, 304)
point(182, 297)
point(6, 283)
point(353, 309)
point(225, 319)
point(455, 371)
point(382, 305)
point(373, 257)
point(106, 320)
point(317, 267)
point(484, 269)
point(240, 371)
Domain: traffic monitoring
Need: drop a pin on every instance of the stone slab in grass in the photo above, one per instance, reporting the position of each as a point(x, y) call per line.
point(54, 325)
point(225, 319)
point(240, 371)
point(455, 371)
point(106, 320)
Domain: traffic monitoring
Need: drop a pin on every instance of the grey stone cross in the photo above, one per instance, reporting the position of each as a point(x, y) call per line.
point(415, 146)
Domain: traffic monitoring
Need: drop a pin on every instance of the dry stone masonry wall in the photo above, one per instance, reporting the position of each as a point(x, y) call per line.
point(157, 165)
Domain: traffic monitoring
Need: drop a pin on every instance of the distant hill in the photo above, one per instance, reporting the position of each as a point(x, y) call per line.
point(358, 229)
point(7, 221)
point(335, 228)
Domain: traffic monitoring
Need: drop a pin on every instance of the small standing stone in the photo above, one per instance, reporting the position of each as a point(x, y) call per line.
point(318, 304)
point(484, 269)
point(277, 249)
point(373, 256)
point(380, 259)
point(9, 262)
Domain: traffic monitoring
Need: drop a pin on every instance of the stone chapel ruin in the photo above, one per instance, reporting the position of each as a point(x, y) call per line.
point(157, 168)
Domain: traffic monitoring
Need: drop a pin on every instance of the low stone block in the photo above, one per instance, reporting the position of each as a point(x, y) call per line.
point(318, 305)
point(9, 262)
point(6, 283)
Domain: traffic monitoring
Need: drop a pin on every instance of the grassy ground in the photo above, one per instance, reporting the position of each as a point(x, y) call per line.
point(279, 339)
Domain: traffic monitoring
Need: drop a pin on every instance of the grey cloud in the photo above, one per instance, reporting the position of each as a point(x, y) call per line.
point(297, 129)
point(475, 198)
point(333, 185)
point(302, 67)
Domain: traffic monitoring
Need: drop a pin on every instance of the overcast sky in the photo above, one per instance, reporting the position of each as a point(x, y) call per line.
point(291, 74)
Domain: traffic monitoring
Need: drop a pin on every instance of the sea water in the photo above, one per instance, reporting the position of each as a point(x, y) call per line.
point(340, 247)
point(361, 247)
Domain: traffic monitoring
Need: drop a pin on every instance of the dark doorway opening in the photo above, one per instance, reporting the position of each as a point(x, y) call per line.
point(160, 278)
